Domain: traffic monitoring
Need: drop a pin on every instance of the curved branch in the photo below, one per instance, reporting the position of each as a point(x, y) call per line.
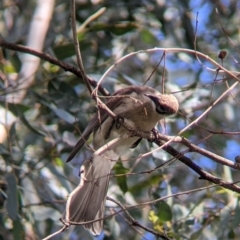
point(194, 148)
point(164, 144)
point(136, 223)
point(202, 173)
point(51, 59)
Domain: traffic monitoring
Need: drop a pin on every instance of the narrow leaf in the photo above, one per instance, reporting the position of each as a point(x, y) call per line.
point(12, 201)
point(121, 180)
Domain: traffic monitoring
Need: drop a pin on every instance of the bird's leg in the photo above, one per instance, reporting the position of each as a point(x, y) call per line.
point(119, 122)
point(133, 132)
point(153, 135)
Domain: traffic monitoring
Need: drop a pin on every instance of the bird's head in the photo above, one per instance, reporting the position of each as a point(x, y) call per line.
point(166, 104)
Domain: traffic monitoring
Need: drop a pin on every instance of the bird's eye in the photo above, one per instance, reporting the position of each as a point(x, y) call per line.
point(161, 109)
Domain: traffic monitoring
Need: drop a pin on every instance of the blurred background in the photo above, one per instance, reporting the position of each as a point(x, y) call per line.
point(44, 109)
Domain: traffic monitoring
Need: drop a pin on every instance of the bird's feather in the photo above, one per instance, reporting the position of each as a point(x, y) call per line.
point(99, 118)
point(144, 107)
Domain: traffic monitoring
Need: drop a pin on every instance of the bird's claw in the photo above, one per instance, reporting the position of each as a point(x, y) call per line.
point(119, 122)
point(153, 135)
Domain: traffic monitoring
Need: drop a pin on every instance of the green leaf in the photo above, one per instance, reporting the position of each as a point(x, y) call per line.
point(190, 222)
point(9, 68)
point(116, 28)
point(64, 51)
point(236, 218)
point(51, 68)
point(12, 132)
point(59, 162)
point(231, 234)
point(196, 235)
point(164, 211)
point(121, 180)
point(18, 230)
point(147, 36)
point(12, 201)
point(4, 152)
point(152, 180)
point(61, 113)
point(29, 126)
point(15, 61)
point(69, 118)
point(15, 108)
point(67, 90)
point(153, 218)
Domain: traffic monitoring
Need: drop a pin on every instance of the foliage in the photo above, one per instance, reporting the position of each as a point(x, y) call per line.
point(44, 126)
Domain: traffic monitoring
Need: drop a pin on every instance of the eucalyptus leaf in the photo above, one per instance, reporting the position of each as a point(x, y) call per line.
point(121, 180)
point(164, 211)
point(12, 196)
point(66, 116)
point(29, 126)
point(18, 229)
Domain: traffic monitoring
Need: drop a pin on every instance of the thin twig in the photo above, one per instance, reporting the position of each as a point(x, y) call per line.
point(51, 59)
point(154, 70)
point(57, 232)
point(202, 173)
point(91, 19)
point(77, 47)
point(187, 161)
point(136, 223)
point(195, 148)
point(152, 202)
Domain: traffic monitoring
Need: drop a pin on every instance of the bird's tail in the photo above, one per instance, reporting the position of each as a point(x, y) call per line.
point(87, 202)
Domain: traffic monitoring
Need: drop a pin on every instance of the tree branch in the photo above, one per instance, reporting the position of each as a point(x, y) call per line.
point(51, 59)
point(136, 223)
point(202, 173)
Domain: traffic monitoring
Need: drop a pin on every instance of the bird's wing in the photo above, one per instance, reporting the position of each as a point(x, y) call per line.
point(98, 119)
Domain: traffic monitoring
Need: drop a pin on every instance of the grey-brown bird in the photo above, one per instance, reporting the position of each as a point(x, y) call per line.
point(143, 107)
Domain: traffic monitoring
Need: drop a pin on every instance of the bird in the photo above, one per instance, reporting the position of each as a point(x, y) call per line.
point(143, 107)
